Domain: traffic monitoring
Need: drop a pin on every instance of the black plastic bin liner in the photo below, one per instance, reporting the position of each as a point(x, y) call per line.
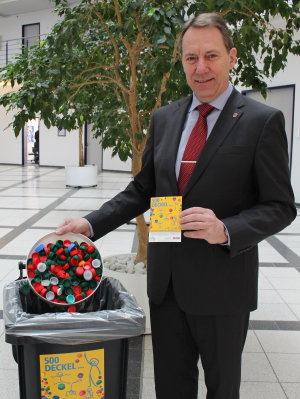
point(117, 316)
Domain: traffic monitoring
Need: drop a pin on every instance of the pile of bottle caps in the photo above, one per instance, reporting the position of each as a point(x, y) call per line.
point(65, 272)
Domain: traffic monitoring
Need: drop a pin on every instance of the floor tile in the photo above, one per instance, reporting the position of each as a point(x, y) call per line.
point(115, 243)
point(296, 309)
point(293, 228)
point(263, 283)
point(45, 184)
point(88, 204)
point(271, 311)
point(286, 366)
point(256, 367)
point(4, 231)
point(2, 328)
point(279, 341)
point(14, 217)
point(9, 383)
point(8, 269)
point(288, 283)
point(261, 390)
point(25, 202)
point(55, 218)
point(290, 296)
point(292, 390)
point(282, 272)
point(252, 344)
point(23, 243)
point(148, 390)
point(148, 364)
point(269, 296)
point(148, 342)
point(269, 254)
point(95, 192)
point(7, 360)
point(41, 192)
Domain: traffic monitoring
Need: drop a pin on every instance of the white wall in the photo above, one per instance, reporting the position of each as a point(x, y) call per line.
point(94, 150)
point(114, 163)
point(58, 150)
point(291, 76)
point(11, 27)
point(10, 146)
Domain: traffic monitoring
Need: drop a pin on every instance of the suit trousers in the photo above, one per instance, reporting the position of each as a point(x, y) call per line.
point(179, 339)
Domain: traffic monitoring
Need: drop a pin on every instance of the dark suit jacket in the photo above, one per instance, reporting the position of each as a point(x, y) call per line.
point(242, 175)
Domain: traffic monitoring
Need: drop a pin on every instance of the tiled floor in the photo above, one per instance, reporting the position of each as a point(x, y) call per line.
point(33, 201)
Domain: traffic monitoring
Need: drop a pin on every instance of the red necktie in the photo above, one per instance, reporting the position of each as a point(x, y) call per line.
point(194, 146)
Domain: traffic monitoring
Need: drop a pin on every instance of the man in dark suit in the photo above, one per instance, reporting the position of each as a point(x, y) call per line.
point(238, 193)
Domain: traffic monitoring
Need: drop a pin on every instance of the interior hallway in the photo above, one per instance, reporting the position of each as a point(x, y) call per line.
point(34, 200)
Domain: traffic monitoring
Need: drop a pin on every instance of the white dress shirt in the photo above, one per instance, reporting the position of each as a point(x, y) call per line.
point(192, 117)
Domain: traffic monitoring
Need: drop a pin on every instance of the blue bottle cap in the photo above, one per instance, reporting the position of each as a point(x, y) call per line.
point(71, 246)
point(70, 298)
point(39, 248)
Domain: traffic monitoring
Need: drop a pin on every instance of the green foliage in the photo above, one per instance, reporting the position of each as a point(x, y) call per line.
point(112, 62)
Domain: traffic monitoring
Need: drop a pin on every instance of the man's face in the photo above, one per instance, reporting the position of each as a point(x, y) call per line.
point(206, 62)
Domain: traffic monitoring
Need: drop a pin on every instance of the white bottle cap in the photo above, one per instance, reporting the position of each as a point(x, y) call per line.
point(41, 267)
point(50, 295)
point(54, 280)
point(87, 275)
point(96, 263)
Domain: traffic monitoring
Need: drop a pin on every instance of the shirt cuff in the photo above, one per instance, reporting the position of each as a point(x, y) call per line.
point(91, 229)
point(226, 244)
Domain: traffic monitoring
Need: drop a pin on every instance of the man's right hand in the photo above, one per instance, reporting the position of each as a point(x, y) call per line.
point(78, 225)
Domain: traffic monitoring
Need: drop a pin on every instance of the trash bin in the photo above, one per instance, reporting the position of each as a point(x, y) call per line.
point(73, 355)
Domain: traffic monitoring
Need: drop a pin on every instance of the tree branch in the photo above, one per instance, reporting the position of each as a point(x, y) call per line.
point(166, 75)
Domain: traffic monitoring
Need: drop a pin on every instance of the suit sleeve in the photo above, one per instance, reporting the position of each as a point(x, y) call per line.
point(275, 207)
point(132, 201)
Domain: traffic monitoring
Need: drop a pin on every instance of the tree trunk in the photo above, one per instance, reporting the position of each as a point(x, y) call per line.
point(142, 234)
point(81, 156)
point(142, 228)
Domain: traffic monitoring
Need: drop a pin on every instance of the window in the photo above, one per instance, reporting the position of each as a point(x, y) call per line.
point(30, 35)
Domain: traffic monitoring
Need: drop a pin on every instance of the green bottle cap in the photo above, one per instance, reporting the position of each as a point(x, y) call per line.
point(25, 288)
point(66, 283)
point(93, 284)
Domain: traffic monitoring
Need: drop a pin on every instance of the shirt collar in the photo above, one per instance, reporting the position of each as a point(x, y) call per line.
point(217, 103)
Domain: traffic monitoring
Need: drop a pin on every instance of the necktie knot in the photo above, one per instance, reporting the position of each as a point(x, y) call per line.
point(204, 109)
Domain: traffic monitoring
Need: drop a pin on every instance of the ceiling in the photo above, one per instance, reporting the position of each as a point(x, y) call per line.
point(15, 7)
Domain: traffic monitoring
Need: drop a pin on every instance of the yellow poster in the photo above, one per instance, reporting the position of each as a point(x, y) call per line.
point(164, 219)
point(73, 375)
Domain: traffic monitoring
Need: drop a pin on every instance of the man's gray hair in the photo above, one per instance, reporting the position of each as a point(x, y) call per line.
point(204, 20)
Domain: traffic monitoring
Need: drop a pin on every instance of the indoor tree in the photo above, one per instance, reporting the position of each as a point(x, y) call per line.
point(111, 63)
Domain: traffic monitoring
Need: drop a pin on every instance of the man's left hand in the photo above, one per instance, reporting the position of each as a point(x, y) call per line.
point(203, 224)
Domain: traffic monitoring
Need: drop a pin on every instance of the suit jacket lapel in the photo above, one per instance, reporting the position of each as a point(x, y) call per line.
point(227, 119)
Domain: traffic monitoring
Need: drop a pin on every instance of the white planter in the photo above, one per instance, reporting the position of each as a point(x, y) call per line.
point(81, 176)
point(136, 284)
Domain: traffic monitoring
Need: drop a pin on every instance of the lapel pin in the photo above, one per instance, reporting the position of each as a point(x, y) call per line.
point(235, 114)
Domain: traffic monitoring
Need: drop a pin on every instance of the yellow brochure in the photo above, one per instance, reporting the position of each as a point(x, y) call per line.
point(164, 219)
